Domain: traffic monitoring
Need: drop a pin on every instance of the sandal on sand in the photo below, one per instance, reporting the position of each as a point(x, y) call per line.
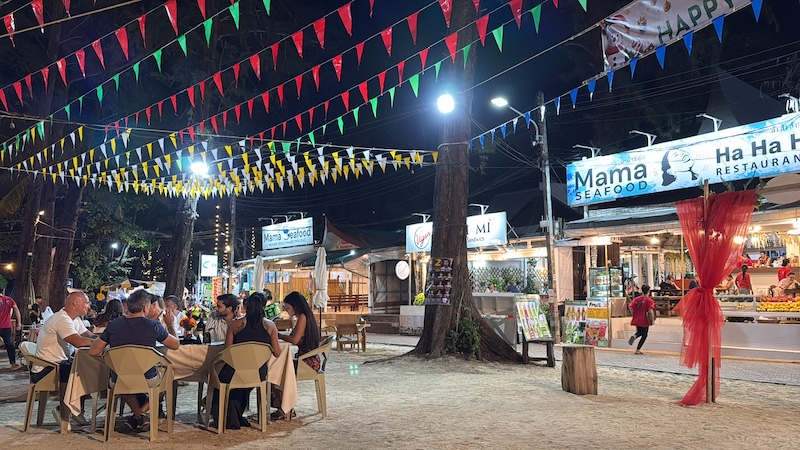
point(638, 353)
point(279, 415)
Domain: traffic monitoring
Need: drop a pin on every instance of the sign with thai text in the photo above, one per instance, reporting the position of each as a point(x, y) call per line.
point(288, 234)
point(482, 231)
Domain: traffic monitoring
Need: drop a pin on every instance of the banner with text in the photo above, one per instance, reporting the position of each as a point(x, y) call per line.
point(483, 230)
point(288, 234)
point(762, 149)
point(644, 25)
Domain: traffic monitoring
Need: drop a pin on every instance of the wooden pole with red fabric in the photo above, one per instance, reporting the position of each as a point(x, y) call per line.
point(710, 397)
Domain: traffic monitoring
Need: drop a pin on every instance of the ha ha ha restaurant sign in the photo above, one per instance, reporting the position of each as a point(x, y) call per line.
point(762, 149)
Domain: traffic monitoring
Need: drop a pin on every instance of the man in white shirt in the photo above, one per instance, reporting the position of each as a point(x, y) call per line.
point(174, 315)
point(59, 336)
point(225, 312)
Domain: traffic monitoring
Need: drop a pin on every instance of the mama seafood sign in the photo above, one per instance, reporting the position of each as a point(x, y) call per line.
point(762, 149)
point(288, 234)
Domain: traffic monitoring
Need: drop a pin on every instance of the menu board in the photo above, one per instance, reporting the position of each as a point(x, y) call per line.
point(531, 316)
point(597, 318)
point(575, 314)
point(216, 287)
point(440, 276)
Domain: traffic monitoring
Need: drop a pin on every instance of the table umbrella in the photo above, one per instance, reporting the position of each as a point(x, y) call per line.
point(258, 274)
point(321, 280)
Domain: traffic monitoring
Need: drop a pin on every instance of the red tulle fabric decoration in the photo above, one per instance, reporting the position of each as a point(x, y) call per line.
point(714, 235)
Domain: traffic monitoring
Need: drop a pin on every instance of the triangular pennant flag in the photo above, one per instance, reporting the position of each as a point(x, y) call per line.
point(374, 103)
point(437, 66)
point(207, 26)
point(81, 57)
point(319, 29)
point(190, 94)
point(182, 43)
point(99, 91)
point(142, 19)
point(202, 86)
point(482, 23)
point(346, 100)
point(757, 8)
point(347, 18)
point(447, 10)
point(516, 10)
point(412, 26)
point(466, 53)
point(255, 63)
point(275, 48)
point(359, 52)
point(218, 82)
point(265, 100)
point(238, 112)
point(555, 2)
point(315, 76)
point(414, 82)
point(362, 87)
point(337, 66)
point(38, 11)
point(45, 76)
point(633, 63)
point(498, 37)
point(386, 35)
point(610, 76)
point(172, 13)
point(718, 22)
point(355, 113)
point(391, 97)
point(536, 12)
point(157, 57)
point(583, 4)
point(298, 81)
point(8, 20)
point(5, 106)
point(297, 37)
point(201, 5)
point(267, 4)
point(591, 85)
point(61, 64)
point(688, 38)
point(382, 80)
point(573, 94)
point(340, 122)
point(136, 70)
point(18, 90)
point(280, 93)
point(400, 68)
point(451, 42)
point(98, 50)
point(423, 57)
point(661, 53)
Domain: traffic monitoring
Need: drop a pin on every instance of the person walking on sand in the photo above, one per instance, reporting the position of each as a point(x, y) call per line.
point(640, 307)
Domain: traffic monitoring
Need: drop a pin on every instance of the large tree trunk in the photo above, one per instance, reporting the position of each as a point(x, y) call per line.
point(42, 250)
point(23, 287)
point(450, 212)
point(181, 246)
point(65, 239)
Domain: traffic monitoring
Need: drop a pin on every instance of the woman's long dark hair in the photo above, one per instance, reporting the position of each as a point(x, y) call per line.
point(112, 310)
point(254, 309)
point(300, 306)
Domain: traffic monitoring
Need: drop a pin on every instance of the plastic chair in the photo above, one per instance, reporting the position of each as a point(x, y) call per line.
point(130, 363)
point(246, 358)
point(349, 334)
point(50, 383)
point(305, 372)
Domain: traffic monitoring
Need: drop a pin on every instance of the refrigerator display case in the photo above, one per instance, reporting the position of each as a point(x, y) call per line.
point(605, 290)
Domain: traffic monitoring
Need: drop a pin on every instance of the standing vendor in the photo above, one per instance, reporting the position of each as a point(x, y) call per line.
point(743, 281)
point(784, 271)
point(764, 260)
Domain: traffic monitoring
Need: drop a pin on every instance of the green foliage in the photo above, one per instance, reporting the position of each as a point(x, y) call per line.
point(93, 267)
point(419, 299)
point(466, 338)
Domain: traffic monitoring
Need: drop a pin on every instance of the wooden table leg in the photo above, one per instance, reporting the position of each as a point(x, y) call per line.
point(525, 357)
point(364, 340)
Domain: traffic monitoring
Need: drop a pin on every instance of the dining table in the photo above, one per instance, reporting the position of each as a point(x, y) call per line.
point(89, 375)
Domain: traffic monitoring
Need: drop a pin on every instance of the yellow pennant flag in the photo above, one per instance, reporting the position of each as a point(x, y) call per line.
point(327, 166)
point(229, 149)
point(168, 159)
point(203, 157)
point(333, 175)
point(144, 168)
point(62, 143)
point(246, 168)
point(174, 180)
point(191, 150)
point(91, 154)
point(136, 187)
point(280, 166)
point(346, 171)
point(393, 153)
point(337, 160)
point(74, 161)
point(417, 157)
point(45, 153)
point(219, 167)
point(308, 160)
point(357, 172)
point(31, 161)
point(114, 146)
point(435, 156)
point(80, 133)
point(33, 134)
point(128, 156)
point(150, 149)
point(245, 159)
point(174, 140)
point(59, 168)
point(408, 163)
point(106, 161)
point(272, 159)
point(54, 178)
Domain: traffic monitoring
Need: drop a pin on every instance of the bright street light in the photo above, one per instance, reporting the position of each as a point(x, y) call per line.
point(500, 102)
point(115, 245)
point(199, 168)
point(446, 104)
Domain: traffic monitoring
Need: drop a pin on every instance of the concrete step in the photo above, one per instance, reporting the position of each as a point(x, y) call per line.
point(739, 352)
point(651, 336)
point(673, 347)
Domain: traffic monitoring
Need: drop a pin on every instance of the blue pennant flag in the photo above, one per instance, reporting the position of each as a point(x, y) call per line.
point(514, 122)
point(482, 140)
point(470, 145)
point(493, 130)
point(634, 61)
point(591, 85)
point(687, 40)
point(610, 76)
point(573, 94)
point(557, 102)
point(718, 26)
point(661, 53)
point(528, 119)
point(757, 8)
point(503, 130)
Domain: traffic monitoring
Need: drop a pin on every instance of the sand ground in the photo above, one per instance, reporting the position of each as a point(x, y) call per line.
point(379, 402)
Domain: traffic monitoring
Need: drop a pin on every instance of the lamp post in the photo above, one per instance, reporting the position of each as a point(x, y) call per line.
point(114, 247)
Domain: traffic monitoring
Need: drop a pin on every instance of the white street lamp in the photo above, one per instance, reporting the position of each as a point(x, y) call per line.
point(446, 104)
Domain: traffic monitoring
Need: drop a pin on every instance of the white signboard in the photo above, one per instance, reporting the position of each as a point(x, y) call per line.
point(208, 265)
point(642, 26)
point(402, 270)
point(288, 234)
point(482, 231)
point(762, 149)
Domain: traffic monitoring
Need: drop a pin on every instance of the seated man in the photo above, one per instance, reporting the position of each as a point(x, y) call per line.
point(136, 329)
point(790, 282)
point(59, 336)
point(225, 312)
point(668, 286)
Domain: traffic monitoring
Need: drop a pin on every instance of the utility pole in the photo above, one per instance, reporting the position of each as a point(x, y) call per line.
point(548, 198)
point(232, 243)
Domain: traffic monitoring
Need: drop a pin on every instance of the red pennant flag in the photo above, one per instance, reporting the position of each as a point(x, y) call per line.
point(122, 38)
point(382, 80)
point(81, 56)
point(29, 82)
point(298, 80)
point(136, 117)
point(161, 108)
point(297, 37)
point(98, 49)
point(116, 127)
point(280, 93)
point(180, 133)
point(401, 66)
point(191, 131)
point(236, 68)
point(66, 5)
point(255, 63)
point(284, 129)
point(477, 5)
point(346, 100)
point(386, 35)
point(251, 141)
point(8, 20)
point(201, 4)
point(326, 104)
point(555, 2)
point(423, 58)
point(202, 85)
point(202, 127)
point(364, 92)
point(482, 23)
point(142, 19)
point(319, 28)
point(516, 9)
point(337, 66)
point(126, 124)
point(214, 124)
point(45, 77)
point(371, 5)
point(315, 75)
point(359, 52)
point(265, 100)
point(62, 69)
point(447, 9)
point(147, 113)
point(172, 12)
point(412, 26)
point(174, 100)
point(272, 133)
point(38, 11)
point(261, 137)
point(3, 100)
point(225, 119)
point(311, 116)
point(347, 19)
point(451, 42)
point(218, 83)
point(299, 119)
point(18, 90)
point(250, 106)
point(274, 47)
point(237, 110)
point(190, 93)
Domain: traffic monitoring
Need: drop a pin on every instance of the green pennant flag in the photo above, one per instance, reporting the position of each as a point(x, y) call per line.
point(437, 66)
point(234, 8)
point(67, 110)
point(536, 12)
point(391, 97)
point(583, 4)
point(80, 104)
point(17, 141)
point(136, 71)
point(340, 122)
point(324, 128)
point(157, 57)
point(182, 43)
point(267, 5)
point(40, 129)
point(312, 139)
point(355, 113)
point(414, 82)
point(116, 81)
point(374, 103)
point(100, 93)
point(466, 53)
point(498, 37)
point(207, 25)
point(287, 147)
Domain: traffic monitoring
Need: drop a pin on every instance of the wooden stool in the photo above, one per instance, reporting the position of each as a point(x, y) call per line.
point(550, 359)
point(578, 369)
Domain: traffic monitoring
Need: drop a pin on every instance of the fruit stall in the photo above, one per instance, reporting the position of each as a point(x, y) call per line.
point(761, 326)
